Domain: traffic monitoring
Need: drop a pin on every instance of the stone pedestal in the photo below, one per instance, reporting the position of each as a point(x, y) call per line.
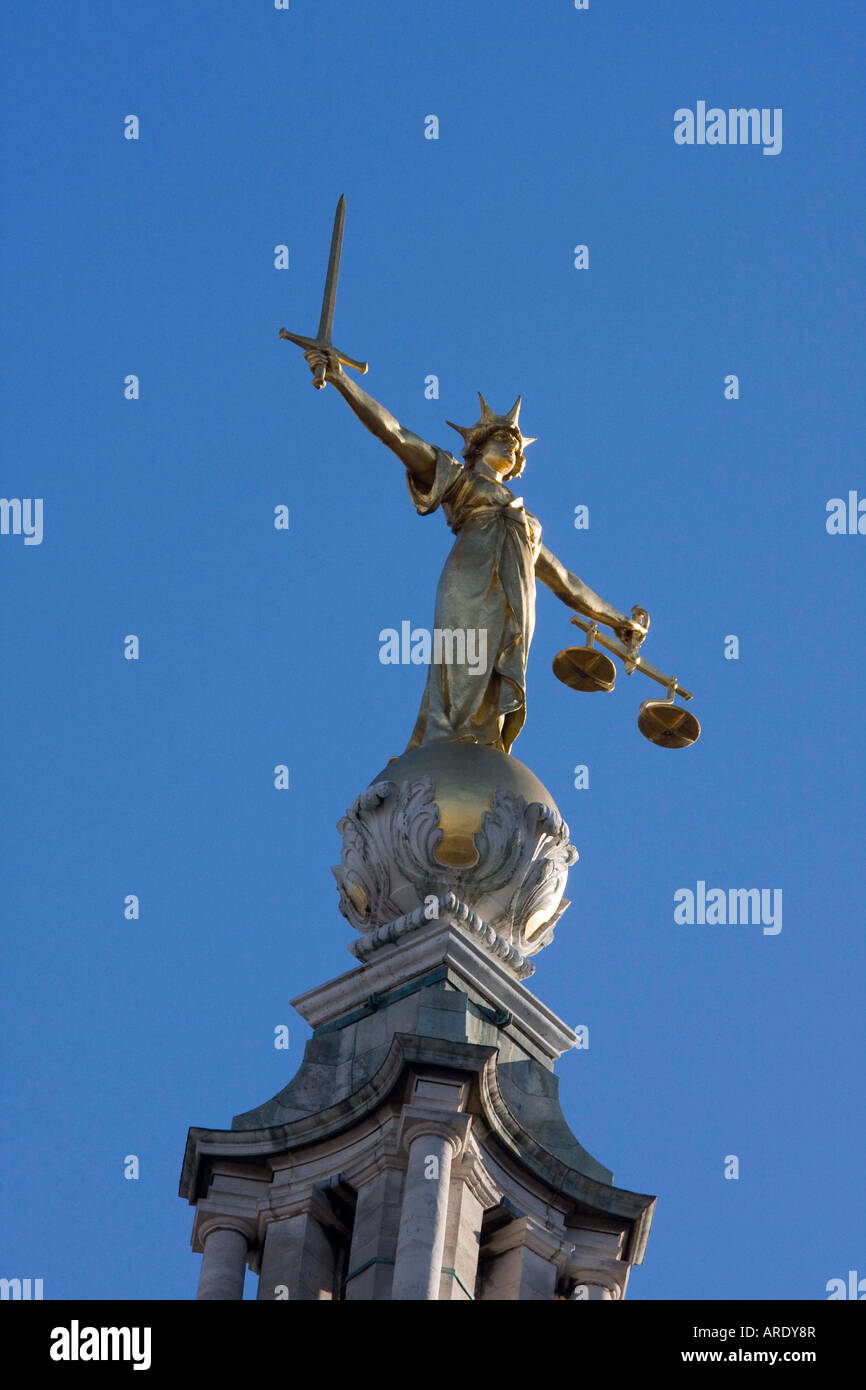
point(420, 1151)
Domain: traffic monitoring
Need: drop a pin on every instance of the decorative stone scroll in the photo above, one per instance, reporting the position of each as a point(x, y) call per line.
point(388, 869)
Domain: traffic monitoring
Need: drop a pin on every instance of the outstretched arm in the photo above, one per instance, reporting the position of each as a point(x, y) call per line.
point(575, 594)
point(418, 457)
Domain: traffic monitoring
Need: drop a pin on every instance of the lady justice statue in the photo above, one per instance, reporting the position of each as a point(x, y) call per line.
point(487, 585)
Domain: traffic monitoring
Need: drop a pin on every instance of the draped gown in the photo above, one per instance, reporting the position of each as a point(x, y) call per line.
point(488, 583)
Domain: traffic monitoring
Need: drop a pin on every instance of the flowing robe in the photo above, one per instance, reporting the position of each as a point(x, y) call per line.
point(488, 584)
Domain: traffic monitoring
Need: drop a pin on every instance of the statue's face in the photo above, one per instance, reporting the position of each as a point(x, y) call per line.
point(499, 451)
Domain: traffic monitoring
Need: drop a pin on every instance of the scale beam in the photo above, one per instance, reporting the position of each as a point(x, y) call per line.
point(634, 662)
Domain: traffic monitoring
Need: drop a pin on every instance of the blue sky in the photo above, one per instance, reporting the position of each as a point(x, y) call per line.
point(156, 257)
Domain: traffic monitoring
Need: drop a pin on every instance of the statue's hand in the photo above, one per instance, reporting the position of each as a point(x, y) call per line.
point(632, 631)
point(324, 357)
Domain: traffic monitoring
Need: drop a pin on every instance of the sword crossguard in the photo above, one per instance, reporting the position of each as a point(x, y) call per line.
point(310, 343)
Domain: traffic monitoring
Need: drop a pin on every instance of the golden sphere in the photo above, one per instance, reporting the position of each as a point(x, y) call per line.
point(465, 776)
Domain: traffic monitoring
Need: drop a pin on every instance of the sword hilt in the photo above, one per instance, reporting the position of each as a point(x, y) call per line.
point(320, 372)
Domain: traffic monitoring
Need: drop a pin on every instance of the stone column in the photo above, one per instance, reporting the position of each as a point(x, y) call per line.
point(472, 1193)
point(223, 1264)
point(374, 1238)
point(460, 1256)
point(299, 1255)
point(433, 1140)
point(521, 1264)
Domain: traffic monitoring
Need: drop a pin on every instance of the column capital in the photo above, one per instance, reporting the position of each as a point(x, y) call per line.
point(594, 1281)
point(206, 1222)
point(243, 1225)
point(419, 1120)
point(469, 1168)
point(526, 1233)
point(310, 1200)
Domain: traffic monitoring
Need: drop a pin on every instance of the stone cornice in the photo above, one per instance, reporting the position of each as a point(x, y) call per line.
point(406, 1049)
point(479, 974)
point(469, 1169)
point(633, 1210)
point(449, 911)
point(634, 1207)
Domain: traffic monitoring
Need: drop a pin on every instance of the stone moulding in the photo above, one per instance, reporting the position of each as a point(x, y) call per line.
point(526, 1148)
point(511, 894)
point(469, 968)
point(497, 1122)
point(447, 909)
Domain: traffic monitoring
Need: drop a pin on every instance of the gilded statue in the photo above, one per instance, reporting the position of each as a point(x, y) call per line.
point(488, 582)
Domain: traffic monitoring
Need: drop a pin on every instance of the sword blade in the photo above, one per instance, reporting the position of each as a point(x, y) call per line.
point(329, 298)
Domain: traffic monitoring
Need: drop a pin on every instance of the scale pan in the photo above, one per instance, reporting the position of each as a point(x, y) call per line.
point(584, 668)
point(668, 725)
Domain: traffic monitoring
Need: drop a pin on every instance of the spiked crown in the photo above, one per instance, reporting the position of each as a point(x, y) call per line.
point(475, 435)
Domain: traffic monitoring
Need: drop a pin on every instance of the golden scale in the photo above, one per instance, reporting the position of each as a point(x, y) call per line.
point(587, 669)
